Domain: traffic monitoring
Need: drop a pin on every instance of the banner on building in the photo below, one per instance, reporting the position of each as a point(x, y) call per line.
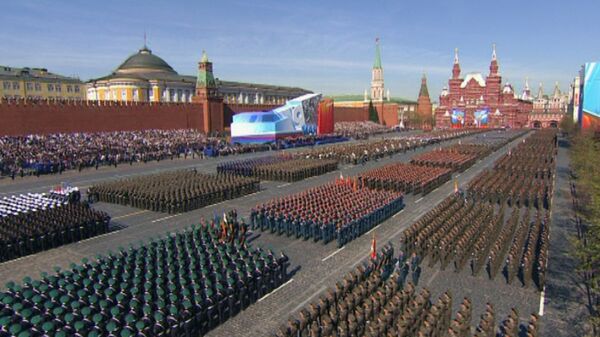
point(481, 117)
point(458, 117)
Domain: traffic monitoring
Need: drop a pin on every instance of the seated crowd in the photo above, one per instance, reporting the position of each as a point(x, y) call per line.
point(36, 222)
point(340, 211)
point(278, 167)
point(183, 284)
point(372, 301)
point(56, 153)
point(173, 192)
point(407, 178)
point(360, 130)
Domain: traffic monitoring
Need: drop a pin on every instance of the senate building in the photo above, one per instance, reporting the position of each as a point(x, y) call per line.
point(146, 77)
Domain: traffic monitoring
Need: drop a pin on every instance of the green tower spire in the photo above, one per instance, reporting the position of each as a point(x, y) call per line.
point(377, 63)
point(205, 78)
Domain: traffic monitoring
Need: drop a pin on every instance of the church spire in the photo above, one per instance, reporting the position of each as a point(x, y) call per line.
point(493, 52)
point(540, 94)
point(377, 63)
point(456, 67)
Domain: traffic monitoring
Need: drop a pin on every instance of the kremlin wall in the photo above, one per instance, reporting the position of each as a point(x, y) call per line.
point(212, 103)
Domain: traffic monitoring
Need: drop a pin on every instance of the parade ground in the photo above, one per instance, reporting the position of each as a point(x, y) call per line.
point(315, 267)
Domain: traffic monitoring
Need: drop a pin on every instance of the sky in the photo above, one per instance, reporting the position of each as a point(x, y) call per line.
point(325, 46)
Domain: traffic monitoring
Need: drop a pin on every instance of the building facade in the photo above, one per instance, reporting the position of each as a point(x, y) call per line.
point(38, 83)
point(478, 101)
point(145, 77)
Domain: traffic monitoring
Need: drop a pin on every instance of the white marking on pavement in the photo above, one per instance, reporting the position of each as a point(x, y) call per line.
point(332, 254)
point(372, 229)
point(99, 236)
point(284, 185)
point(419, 200)
point(308, 299)
point(458, 175)
point(542, 295)
point(165, 218)
point(247, 195)
point(432, 277)
point(130, 214)
point(395, 215)
point(274, 291)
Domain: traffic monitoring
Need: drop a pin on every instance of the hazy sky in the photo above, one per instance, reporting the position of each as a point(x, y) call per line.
point(325, 46)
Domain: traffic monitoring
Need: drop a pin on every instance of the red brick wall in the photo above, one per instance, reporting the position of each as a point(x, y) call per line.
point(349, 114)
point(389, 115)
point(28, 118)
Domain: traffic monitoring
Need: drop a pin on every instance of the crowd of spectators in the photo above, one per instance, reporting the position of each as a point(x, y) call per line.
point(360, 130)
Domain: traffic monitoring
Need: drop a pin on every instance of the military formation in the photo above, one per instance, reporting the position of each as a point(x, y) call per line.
point(374, 301)
point(174, 192)
point(408, 178)
point(522, 178)
point(362, 152)
point(339, 211)
point(35, 222)
point(183, 284)
point(279, 168)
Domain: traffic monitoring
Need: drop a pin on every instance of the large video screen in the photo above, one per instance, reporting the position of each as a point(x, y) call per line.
point(458, 117)
point(298, 116)
point(481, 117)
point(591, 96)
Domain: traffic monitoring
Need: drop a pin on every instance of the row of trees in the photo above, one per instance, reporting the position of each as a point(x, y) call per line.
point(585, 166)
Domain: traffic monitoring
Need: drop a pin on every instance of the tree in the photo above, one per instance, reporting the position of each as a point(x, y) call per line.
point(585, 159)
point(567, 125)
point(373, 113)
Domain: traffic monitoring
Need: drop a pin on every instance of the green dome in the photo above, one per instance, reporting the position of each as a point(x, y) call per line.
point(145, 60)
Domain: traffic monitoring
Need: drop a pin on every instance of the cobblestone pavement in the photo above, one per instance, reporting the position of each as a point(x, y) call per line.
point(316, 266)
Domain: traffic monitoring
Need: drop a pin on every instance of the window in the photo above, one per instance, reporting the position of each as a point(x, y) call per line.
point(58, 88)
point(6, 85)
point(76, 88)
point(15, 86)
point(69, 88)
point(29, 86)
point(50, 87)
point(171, 95)
point(179, 94)
point(38, 87)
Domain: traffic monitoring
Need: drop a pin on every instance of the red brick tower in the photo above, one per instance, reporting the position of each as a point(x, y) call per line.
point(207, 94)
point(493, 83)
point(424, 107)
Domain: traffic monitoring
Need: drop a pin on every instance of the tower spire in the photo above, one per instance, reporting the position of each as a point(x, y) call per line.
point(377, 87)
point(377, 63)
point(456, 67)
point(494, 63)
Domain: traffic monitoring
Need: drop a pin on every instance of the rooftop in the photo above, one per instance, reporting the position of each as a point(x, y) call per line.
point(33, 73)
